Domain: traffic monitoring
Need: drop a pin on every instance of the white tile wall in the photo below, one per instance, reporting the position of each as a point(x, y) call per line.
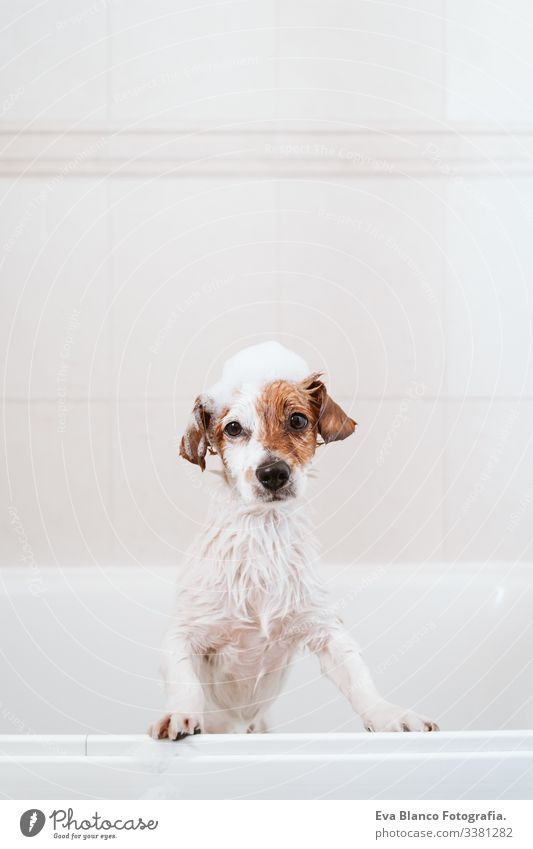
point(57, 485)
point(378, 495)
point(489, 489)
point(193, 269)
point(489, 62)
point(185, 61)
point(151, 519)
point(410, 286)
point(489, 292)
point(359, 62)
point(363, 281)
point(55, 71)
point(55, 287)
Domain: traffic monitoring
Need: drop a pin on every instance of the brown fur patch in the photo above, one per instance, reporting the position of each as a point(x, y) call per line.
point(217, 433)
point(333, 423)
point(276, 403)
point(194, 443)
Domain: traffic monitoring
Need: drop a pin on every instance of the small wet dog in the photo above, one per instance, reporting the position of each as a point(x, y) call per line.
point(249, 598)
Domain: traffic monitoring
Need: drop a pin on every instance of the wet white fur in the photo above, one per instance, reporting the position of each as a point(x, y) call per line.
point(243, 456)
point(249, 599)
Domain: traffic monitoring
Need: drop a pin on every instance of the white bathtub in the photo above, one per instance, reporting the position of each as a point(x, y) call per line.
point(79, 684)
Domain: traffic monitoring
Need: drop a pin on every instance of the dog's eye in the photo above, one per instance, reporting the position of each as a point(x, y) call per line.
point(298, 421)
point(233, 429)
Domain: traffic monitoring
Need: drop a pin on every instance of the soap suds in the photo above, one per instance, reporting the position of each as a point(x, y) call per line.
point(256, 366)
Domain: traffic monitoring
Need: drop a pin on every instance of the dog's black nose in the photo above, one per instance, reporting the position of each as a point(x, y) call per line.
point(274, 475)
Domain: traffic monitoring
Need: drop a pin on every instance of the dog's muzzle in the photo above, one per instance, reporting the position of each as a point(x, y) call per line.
point(273, 476)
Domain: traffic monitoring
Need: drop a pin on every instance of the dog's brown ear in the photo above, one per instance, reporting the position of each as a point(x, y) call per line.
point(332, 422)
point(194, 442)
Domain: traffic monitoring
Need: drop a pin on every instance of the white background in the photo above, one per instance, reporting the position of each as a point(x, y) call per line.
point(337, 823)
point(179, 179)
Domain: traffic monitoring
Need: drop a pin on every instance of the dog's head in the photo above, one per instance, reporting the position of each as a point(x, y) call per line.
point(263, 419)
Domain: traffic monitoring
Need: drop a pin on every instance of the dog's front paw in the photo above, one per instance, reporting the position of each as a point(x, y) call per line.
point(389, 717)
point(176, 726)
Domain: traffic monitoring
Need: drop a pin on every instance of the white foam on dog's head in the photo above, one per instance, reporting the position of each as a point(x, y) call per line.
point(256, 366)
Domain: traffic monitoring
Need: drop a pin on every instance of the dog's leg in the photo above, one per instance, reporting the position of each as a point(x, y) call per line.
point(185, 699)
point(258, 726)
point(341, 661)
